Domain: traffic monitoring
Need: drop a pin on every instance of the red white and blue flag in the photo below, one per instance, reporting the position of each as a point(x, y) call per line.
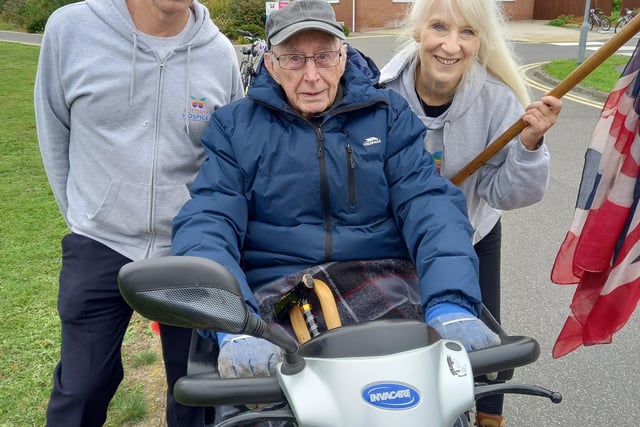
point(601, 251)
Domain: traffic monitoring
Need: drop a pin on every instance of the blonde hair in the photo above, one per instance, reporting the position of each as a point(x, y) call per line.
point(495, 51)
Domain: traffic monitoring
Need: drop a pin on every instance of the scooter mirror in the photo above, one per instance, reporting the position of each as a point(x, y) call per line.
point(185, 291)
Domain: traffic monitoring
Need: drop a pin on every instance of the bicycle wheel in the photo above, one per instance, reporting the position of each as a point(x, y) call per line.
point(604, 23)
point(590, 23)
point(245, 74)
point(621, 23)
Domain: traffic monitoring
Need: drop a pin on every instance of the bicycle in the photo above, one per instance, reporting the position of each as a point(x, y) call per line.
point(252, 55)
point(624, 20)
point(596, 16)
point(370, 374)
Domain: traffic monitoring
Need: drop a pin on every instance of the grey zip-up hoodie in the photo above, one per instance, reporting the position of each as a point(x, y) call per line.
point(481, 110)
point(119, 127)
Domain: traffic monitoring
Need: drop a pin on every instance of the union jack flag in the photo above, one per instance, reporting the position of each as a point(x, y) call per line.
point(601, 251)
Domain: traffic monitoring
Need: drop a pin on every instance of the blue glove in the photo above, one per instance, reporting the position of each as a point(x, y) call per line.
point(454, 322)
point(247, 356)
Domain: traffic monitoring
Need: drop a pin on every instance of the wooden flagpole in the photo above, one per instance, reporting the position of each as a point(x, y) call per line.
point(576, 76)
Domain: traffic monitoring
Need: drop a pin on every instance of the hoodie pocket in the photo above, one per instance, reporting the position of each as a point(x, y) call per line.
point(124, 209)
point(133, 210)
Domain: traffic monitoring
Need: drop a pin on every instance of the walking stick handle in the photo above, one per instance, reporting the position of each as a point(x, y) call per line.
point(299, 325)
point(298, 313)
point(575, 77)
point(327, 303)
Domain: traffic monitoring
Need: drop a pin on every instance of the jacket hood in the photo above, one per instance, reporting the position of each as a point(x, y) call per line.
point(364, 64)
point(392, 70)
point(115, 14)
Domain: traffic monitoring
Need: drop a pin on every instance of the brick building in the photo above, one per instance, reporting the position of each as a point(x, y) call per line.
point(366, 15)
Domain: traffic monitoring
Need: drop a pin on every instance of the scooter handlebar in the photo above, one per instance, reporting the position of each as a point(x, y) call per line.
point(513, 352)
point(211, 390)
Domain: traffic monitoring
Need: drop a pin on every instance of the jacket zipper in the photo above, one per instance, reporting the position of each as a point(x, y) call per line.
point(154, 164)
point(351, 167)
point(324, 194)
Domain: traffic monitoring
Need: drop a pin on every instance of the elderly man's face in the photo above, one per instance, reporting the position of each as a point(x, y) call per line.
point(311, 89)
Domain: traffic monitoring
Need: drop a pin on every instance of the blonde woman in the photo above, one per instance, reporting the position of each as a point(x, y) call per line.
point(460, 76)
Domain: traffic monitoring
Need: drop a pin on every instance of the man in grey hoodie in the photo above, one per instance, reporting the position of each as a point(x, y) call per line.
point(123, 93)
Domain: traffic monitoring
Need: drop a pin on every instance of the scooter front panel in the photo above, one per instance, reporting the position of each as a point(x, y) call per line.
point(429, 386)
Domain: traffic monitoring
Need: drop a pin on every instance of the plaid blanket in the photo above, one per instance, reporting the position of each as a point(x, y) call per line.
point(364, 290)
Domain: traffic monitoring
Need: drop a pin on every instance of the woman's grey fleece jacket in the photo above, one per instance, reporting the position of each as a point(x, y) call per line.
point(481, 110)
point(119, 127)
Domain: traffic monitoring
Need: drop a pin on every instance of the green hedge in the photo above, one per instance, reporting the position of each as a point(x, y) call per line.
point(31, 15)
point(229, 15)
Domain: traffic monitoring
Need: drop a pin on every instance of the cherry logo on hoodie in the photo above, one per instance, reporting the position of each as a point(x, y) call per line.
point(198, 110)
point(197, 102)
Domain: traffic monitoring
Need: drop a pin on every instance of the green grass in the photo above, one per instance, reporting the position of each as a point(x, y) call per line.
point(9, 27)
point(128, 406)
point(30, 231)
point(144, 358)
point(602, 79)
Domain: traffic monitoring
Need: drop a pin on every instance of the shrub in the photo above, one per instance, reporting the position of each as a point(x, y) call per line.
point(32, 15)
point(252, 28)
point(616, 7)
point(243, 14)
point(224, 25)
point(557, 22)
point(233, 15)
point(219, 11)
point(566, 21)
point(217, 8)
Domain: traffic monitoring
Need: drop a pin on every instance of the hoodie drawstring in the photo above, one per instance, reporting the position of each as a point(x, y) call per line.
point(186, 89)
point(133, 68)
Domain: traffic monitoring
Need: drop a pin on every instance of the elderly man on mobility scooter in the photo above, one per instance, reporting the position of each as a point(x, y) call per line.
point(318, 170)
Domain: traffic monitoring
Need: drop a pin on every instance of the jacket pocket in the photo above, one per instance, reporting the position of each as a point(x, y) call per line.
point(351, 175)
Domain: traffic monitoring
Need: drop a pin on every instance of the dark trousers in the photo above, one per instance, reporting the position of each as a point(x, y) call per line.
point(94, 318)
point(488, 251)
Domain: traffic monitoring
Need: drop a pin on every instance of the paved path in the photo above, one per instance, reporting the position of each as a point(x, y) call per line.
point(18, 37)
point(533, 31)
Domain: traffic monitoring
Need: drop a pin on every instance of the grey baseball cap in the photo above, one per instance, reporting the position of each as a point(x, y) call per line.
point(302, 15)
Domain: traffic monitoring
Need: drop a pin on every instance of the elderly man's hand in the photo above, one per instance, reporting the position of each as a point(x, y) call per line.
point(247, 356)
point(457, 323)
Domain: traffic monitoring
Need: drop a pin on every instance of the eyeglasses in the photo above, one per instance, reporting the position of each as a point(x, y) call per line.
point(296, 61)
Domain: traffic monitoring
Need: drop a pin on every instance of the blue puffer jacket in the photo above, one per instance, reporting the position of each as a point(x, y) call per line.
point(279, 193)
